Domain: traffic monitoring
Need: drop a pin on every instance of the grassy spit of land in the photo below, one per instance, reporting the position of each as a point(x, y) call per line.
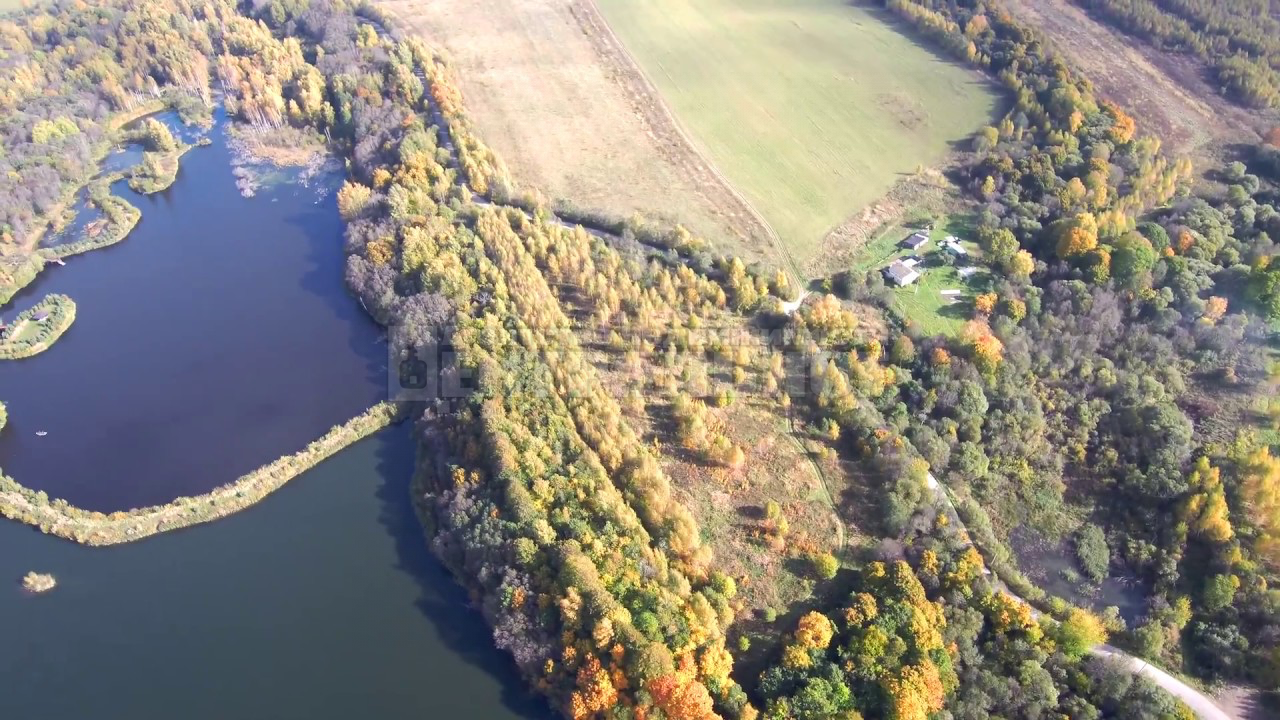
point(17, 272)
point(157, 171)
point(118, 219)
point(813, 109)
point(57, 517)
point(38, 327)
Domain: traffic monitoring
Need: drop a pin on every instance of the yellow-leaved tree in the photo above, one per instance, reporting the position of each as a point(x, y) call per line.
point(1205, 509)
point(1075, 236)
point(1260, 487)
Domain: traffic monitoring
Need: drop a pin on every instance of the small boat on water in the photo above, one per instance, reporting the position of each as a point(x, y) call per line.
point(41, 433)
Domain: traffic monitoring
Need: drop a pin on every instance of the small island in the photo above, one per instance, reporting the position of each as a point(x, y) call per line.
point(159, 167)
point(37, 328)
point(34, 582)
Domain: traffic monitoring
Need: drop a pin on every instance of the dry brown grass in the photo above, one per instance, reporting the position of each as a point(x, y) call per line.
point(729, 504)
point(571, 121)
point(1166, 93)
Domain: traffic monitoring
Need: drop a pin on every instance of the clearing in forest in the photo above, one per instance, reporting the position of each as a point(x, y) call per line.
point(812, 108)
point(1164, 91)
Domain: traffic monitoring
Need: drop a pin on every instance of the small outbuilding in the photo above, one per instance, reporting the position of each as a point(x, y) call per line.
point(901, 274)
point(953, 246)
point(915, 241)
point(40, 316)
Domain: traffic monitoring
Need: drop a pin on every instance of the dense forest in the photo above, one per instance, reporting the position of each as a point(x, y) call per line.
point(1102, 394)
point(1238, 41)
point(1120, 378)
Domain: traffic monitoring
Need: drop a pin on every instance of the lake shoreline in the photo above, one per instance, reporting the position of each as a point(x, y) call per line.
point(58, 518)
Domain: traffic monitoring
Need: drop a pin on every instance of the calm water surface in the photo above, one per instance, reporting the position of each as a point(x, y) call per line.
point(215, 338)
point(322, 602)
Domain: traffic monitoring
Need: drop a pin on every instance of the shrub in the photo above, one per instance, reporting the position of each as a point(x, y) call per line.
point(825, 565)
point(1092, 552)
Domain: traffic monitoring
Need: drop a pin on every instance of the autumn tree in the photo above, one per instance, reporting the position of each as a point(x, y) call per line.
point(1076, 236)
point(986, 348)
point(1260, 488)
point(1020, 265)
point(353, 198)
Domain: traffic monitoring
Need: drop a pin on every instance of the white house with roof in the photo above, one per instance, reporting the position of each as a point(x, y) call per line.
point(901, 274)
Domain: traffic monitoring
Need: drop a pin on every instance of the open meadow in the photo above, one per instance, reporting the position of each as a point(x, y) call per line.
point(570, 120)
point(811, 108)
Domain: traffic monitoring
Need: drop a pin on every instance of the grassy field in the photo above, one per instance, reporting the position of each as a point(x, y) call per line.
point(812, 108)
point(923, 302)
point(567, 119)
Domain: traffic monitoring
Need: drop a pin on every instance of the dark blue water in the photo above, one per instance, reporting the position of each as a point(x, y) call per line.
point(319, 603)
point(216, 337)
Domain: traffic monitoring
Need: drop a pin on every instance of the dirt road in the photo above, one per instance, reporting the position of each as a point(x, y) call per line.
point(1203, 705)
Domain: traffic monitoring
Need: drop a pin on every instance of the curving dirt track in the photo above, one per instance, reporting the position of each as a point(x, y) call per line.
point(1201, 704)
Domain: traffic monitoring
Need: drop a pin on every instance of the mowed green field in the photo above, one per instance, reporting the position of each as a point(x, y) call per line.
point(811, 108)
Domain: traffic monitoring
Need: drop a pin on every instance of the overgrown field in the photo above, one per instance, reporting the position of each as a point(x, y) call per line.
point(1168, 93)
point(811, 108)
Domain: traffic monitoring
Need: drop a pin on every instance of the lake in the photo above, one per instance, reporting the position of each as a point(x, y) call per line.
point(215, 338)
point(322, 601)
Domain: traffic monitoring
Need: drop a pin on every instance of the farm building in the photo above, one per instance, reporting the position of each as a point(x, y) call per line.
point(915, 241)
point(953, 246)
point(901, 274)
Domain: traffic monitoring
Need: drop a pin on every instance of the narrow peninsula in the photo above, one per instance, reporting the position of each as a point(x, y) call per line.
point(58, 517)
